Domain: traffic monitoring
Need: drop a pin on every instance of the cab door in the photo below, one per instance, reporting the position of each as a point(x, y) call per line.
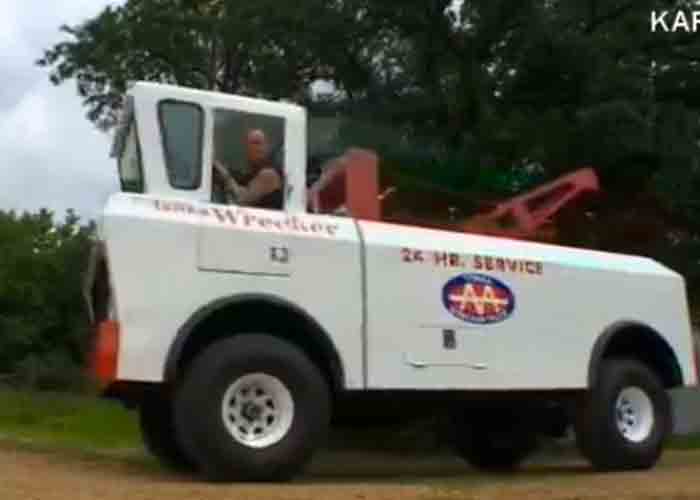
point(234, 238)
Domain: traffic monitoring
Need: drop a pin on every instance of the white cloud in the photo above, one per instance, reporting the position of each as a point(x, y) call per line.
point(27, 121)
point(50, 154)
point(9, 33)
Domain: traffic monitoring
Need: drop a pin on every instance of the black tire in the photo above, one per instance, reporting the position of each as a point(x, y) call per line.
point(158, 433)
point(198, 409)
point(492, 440)
point(597, 432)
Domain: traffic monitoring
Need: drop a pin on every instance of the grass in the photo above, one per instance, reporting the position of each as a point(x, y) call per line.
point(67, 421)
point(691, 442)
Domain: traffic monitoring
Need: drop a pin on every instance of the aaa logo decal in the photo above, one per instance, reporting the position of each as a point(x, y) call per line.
point(478, 299)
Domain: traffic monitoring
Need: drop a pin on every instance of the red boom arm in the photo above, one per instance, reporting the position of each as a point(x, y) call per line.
point(355, 187)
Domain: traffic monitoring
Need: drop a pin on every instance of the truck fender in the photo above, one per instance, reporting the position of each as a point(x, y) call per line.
point(662, 358)
point(313, 328)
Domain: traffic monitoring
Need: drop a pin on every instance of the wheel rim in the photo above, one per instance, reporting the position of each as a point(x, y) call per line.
point(257, 410)
point(634, 414)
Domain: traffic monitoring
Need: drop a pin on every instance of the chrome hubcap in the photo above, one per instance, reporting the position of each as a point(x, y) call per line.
point(257, 410)
point(634, 414)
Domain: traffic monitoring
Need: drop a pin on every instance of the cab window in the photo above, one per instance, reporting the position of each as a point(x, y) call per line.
point(244, 144)
point(130, 169)
point(182, 128)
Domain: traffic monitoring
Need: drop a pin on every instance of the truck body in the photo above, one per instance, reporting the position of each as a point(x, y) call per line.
point(377, 306)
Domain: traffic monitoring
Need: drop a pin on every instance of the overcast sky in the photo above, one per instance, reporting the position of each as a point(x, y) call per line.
point(50, 154)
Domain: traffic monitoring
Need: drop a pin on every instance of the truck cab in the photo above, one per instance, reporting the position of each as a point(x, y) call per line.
point(241, 333)
point(192, 129)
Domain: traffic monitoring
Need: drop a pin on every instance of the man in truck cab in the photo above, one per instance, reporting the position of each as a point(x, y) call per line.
point(262, 185)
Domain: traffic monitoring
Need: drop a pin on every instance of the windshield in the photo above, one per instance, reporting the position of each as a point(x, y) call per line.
point(130, 172)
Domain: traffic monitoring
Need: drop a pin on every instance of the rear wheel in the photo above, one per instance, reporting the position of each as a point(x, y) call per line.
point(253, 407)
point(624, 421)
point(492, 440)
point(158, 433)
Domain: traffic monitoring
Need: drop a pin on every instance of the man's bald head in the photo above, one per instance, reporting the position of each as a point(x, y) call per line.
point(256, 134)
point(256, 145)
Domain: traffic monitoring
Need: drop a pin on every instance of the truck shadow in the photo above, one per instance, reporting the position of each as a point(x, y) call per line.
point(371, 467)
point(379, 469)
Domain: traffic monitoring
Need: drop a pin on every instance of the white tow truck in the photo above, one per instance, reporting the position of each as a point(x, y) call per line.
point(242, 334)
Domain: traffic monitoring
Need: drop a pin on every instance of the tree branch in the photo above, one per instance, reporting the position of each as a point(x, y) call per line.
point(610, 16)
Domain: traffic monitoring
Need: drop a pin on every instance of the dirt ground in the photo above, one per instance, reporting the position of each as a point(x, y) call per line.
point(34, 475)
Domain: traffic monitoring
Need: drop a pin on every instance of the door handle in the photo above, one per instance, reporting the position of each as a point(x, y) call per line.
point(424, 364)
point(415, 364)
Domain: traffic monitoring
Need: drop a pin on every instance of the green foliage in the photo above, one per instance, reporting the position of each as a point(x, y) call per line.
point(690, 442)
point(52, 372)
point(53, 419)
point(260, 48)
point(42, 320)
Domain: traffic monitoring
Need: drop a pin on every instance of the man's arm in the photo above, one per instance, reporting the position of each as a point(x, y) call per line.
point(262, 184)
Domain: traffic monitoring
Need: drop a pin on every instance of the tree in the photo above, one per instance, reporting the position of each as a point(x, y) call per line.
point(258, 48)
point(489, 98)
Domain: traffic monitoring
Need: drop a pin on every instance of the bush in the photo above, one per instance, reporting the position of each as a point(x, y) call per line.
point(51, 372)
point(42, 315)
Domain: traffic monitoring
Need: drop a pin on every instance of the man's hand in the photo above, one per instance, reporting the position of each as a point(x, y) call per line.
point(224, 180)
point(221, 172)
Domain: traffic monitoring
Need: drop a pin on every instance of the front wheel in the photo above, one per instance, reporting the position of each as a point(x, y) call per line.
point(253, 407)
point(624, 421)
